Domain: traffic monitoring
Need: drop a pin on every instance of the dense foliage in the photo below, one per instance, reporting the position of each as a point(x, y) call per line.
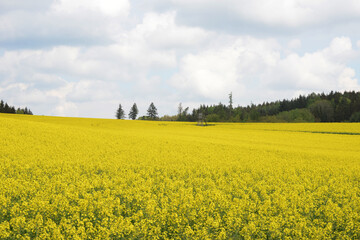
point(133, 112)
point(5, 108)
point(70, 178)
point(120, 114)
point(152, 113)
point(332, 107)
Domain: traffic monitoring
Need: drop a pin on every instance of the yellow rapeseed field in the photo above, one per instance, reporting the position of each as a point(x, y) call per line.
point(73, 178)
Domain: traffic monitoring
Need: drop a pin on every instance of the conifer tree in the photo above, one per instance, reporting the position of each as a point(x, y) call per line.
point(152, 112)
point(2, 106)
point(6, 108)
point(133, 112)
point(120, 113)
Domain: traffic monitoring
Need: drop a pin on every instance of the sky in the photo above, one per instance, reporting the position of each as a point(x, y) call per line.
point(82, 58)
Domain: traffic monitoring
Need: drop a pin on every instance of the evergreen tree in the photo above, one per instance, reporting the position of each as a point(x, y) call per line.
point(120, 113)
point(6, 108)
point(133, 112)
point(2, 106)
point(152, 112)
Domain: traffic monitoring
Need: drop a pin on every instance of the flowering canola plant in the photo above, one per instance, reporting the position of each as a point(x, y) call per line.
point(73, 178)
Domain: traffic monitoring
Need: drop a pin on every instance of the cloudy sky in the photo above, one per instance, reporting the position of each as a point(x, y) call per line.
point(84, 57)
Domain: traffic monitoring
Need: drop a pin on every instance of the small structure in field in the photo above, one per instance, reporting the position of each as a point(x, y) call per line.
point(201, 120)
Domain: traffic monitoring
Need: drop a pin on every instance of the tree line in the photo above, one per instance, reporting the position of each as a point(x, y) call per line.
point(314, 107)
point(321, 107)
point(6, 108)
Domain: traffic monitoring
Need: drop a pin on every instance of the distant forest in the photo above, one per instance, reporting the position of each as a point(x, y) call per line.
point(5, 108)
point(331, 107)
point(315, 107)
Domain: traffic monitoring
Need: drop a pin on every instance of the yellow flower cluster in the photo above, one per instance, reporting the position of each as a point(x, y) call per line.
point(73, 178)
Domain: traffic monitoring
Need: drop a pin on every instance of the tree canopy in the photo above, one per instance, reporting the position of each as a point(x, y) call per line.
point(152, 112)
point(133, 112)
point(120, 113)
point(319, 107)
point(6, 108)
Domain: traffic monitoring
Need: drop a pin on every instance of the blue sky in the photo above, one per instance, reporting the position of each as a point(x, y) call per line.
point(84, 57)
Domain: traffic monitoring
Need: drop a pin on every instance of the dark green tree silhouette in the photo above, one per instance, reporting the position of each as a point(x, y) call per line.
point(2, 105)
point(6, 108)
point(355, 117)
point(322, 110)
point(133, 112)
point(152, 112)
point(343, 109)
point(120, 113)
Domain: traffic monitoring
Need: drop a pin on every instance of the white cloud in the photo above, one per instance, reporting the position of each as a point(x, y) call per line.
point(66, 109)
point(282, 13)
point(216, 72)
point(108, 7)
point(161, 31)
point(16, 5)
point(323, 70)
point(340, 49)
point(64, 22)
point(208, 74)
point(250, 65)
point(294, 43)
point(113, 63)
